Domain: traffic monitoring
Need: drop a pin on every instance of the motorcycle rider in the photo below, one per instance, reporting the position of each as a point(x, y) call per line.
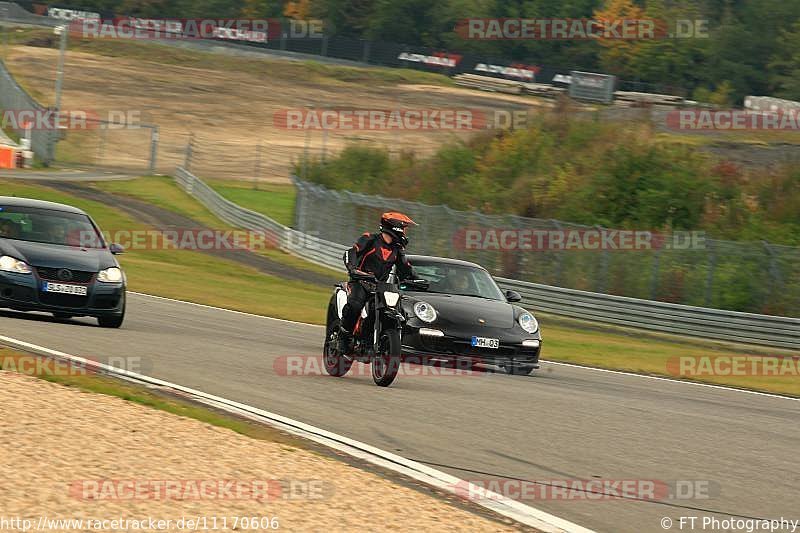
point(376, 254)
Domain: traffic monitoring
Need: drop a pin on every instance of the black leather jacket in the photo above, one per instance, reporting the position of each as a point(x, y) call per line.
point(370, 253)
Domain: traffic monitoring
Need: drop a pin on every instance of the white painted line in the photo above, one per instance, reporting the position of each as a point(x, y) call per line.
point(671, 380)
point(498, 503)
point(544, 361)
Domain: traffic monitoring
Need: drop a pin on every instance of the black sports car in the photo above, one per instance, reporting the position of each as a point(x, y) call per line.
point(53, 258)
point(464, 317)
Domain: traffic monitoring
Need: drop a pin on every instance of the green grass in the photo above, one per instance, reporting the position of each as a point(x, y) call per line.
point(271, 199)
point(163, 192)
point(646, 354)
point(203, 279)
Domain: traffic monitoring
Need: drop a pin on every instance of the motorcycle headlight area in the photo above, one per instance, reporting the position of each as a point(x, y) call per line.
point(391, 298)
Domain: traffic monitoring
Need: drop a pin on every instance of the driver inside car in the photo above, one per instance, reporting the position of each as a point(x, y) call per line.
point(458, 282)
point(9, 229)
point(375, 254)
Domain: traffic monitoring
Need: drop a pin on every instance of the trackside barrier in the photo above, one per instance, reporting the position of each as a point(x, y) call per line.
point(312, 248)
point(715, 324)
point(712, 324)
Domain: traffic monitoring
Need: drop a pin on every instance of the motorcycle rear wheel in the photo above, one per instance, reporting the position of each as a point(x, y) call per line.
point(335, 364)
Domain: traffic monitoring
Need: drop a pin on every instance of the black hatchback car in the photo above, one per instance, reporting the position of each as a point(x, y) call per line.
point(53, 258)
point(462, 315)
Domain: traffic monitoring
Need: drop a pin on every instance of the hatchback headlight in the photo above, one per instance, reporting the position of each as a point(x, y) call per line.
point(110, 275)
point(528, 323)
point(425, 311)
point(10, 264)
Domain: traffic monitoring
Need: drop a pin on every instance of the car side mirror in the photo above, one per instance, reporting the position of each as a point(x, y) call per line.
point(513, 296)
point(415, 285)
point(116, 249)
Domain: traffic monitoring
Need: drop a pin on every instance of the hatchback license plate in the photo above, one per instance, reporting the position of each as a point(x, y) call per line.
point(61, 288)
point(485, 342)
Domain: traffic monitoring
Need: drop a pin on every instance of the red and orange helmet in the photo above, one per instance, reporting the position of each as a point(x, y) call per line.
point(395, 224)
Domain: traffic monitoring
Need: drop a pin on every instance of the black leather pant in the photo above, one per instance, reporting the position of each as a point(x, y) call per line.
point(355, 303)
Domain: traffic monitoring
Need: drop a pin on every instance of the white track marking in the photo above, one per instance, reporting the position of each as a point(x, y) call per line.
point(498, 503)
point(571, 365)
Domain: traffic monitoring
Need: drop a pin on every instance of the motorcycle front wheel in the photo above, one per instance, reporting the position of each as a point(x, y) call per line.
point(386, 361)
point(335, 364)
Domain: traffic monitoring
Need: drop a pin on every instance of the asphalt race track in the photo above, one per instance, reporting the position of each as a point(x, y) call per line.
point(564, 423)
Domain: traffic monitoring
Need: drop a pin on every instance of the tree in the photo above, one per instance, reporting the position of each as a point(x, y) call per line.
point(618, 56)
point(785, 64)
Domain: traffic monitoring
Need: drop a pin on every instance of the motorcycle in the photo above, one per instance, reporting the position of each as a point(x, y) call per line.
point(377, 335)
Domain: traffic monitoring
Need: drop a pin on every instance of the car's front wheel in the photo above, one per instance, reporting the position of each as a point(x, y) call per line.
point(112, 321)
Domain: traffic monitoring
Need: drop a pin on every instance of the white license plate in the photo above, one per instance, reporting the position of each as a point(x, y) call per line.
point(61, 288)
point(485, 342)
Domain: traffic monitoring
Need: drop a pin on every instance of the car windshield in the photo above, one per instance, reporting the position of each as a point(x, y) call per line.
point(48, 226)
point(446, 278)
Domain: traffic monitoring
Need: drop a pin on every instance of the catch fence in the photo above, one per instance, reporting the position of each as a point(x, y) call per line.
point(688, 268)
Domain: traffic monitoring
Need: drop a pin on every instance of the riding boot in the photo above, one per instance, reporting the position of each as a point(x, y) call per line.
point(345, 341)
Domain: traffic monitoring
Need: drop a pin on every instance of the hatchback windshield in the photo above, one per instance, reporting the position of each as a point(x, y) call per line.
point(447, 278)
point(48, 226)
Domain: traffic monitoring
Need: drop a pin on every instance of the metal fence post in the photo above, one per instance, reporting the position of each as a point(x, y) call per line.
point(187, 164)
point(712, 265)
point(602, 279)
point(154, 138)
point(654, 281)
point(366, 51)
point(774, 273)
point(258, 165)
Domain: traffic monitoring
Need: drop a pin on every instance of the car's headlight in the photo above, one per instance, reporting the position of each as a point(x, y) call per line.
point(425, 311)
point(528, 323)
point(110, 275)
point(9, 264)
point(391, 298)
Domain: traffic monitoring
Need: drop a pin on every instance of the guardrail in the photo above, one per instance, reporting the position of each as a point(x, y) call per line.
point(713, 324)
point(311, 248)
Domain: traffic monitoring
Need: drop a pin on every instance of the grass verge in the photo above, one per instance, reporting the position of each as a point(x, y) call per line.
point(199, 278)
point(194, 276)
point(163, 192)
point(68, 375)
point(271, 199)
